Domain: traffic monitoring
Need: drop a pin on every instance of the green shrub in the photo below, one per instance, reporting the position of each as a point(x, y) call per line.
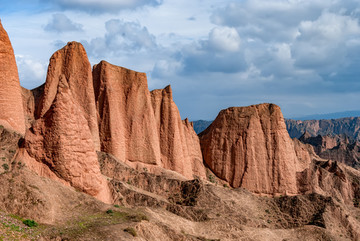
point(5, 166)
point(109, 211)
point(131, 231)
point(211, 178)
point(117, 206)
point(30, 223)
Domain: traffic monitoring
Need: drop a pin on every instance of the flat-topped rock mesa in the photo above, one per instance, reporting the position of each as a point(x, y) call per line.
point(179, 145)
point(59, 145)
point(11, 108)
point(71, 62)
point(134, 124)
point(250, 147)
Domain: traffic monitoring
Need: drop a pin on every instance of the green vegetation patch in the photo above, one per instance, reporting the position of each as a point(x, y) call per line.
point(30, 223)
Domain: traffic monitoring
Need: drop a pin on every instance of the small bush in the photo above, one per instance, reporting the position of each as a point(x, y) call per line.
point(5, 166)
point(225, 185)
point(267, 211)
point(117, 206)
point(30, 223)
point(109, 211)
point(131, 231)
point(211, 178)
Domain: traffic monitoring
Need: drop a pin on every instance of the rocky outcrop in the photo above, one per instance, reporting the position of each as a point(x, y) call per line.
point(179, 145)
point(11, 109)
point(329, 178)
point(249, 147)
point(61, 143)
point(145, 130)
point(126, 119)
point(72, 63)
point(337, 148)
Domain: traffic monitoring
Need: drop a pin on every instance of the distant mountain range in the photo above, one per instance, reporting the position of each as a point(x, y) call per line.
point(349, 126)
point(336, 115)
point(201, 125)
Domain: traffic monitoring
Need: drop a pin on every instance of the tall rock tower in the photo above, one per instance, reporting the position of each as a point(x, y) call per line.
point(11, 107)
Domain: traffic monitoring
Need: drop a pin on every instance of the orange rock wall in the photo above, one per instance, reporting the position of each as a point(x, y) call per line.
point(249, 147)
point(11, 108)
point(72, 62)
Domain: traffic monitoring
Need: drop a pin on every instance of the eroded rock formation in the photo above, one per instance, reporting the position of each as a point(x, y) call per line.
point(349, 126)
point(61, 141)
point(126, 118)
point(11, 109)
point(72, 62)
point(337, 148)
point(145, 130)
point(249, 147)
point(179, 145)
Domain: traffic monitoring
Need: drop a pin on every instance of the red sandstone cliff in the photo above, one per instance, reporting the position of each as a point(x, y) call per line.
point(11, 109)
point(126, 119)
point(179, 145)
point(143, 129)
point(72, 62)
point(61, 143)
point(249, 147)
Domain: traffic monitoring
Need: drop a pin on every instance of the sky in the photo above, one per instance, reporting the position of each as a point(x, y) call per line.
point(301, 55)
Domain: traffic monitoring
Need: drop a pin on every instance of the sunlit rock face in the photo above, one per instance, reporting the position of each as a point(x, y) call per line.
point(11, 108)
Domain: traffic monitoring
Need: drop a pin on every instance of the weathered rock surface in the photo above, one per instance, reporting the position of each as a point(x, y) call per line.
point(72, 62)
point(31, 99)
point(11, 109)
point(61, 142)
point(249, 147)
point(126, 118)
point(142, 129)
point(179, 145)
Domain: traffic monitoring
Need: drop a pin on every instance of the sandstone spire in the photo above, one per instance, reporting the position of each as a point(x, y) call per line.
point(126, 118)
point(249, 147)
point(11, 108)
point(72, 62)
point(179, 145)
point(61, 139)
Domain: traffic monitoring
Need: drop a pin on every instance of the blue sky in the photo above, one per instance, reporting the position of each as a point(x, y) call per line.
point(302, 55)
